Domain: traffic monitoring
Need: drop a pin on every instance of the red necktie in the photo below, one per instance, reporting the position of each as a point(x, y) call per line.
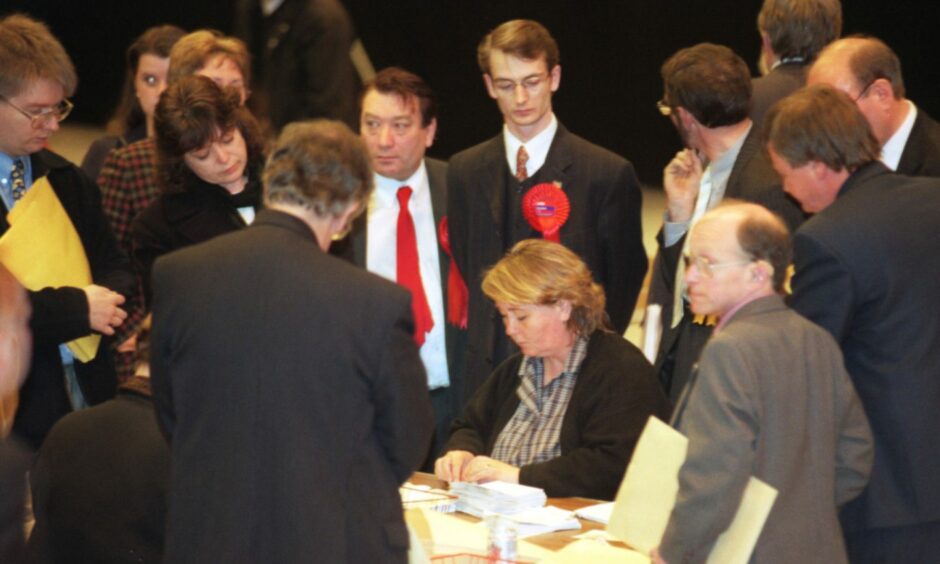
point(408, 273)
point(522, 157)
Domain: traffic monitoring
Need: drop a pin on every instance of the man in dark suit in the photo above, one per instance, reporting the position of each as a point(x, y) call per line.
point(287, 380)
point(868, 71)
point(866, 271)
point(32, 103)
point(398, 122)
point(707, 93)
point(792, 32)
point(487, 185)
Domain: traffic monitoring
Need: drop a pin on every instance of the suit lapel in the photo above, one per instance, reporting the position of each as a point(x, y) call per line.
point(749, 149)
point(492, 173)
point(557, 169)
point(437, 182)
point(913, 154)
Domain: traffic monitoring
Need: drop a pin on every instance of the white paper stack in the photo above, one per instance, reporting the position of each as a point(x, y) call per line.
point(543, 520)
point(599, 513)
point(496, 497)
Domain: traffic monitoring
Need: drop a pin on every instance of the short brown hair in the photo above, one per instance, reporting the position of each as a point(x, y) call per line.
point(526, 39)
point(819, 123)
point(406, 85)
point(762, 235)
point(193, 51)
point(710, 82)
point(29, 52)
point(320, 165)
point(190, 114)
point(800, 28)
point(539, 272)
point(158, 41)
point(871, 59)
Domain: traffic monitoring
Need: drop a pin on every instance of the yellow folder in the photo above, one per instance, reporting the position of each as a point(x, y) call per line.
point(42, 249)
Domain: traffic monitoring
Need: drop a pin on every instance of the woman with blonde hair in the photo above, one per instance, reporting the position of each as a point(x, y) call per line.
point(564, 414)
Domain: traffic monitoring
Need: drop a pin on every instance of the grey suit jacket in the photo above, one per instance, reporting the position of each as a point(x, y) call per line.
point(771, 399)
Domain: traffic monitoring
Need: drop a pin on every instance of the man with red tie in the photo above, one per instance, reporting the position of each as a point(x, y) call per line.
point(397, 237)
point(536, 179)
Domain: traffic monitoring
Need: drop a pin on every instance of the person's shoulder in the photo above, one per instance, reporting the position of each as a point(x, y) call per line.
point(477, 155)
point(138, 152)
point(588, 151)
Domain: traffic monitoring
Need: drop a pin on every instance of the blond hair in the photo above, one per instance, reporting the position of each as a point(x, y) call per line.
point(539, 272)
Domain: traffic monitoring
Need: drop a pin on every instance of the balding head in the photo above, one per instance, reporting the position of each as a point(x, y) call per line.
point(15, 340)
point(868, 71)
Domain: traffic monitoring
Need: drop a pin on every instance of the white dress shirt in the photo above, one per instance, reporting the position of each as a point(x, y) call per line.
point(537, 147)
point(381, 257)
point(891, 152)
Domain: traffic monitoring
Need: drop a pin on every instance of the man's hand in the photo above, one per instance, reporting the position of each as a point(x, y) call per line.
point(486, 469)
point(450, 467)
point(103, 311)
point(681, 179)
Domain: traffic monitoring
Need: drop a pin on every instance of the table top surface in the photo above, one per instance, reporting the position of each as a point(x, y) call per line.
point(552, 541)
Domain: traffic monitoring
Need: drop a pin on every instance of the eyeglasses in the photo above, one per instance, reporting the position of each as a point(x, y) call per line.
point(664, 108)
point(867, 88)
point(58, 112)
point(530, 83)
point(707, 267)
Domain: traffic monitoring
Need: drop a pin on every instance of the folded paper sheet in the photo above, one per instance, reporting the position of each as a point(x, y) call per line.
point(441, 533)
point(42, 249)
point(648, 494)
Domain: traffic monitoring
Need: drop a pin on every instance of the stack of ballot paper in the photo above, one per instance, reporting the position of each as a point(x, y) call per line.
point(414, 496)
point(496, 497)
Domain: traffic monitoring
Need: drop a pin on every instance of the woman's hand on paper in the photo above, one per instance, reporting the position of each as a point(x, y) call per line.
point(486, 469)
point(450, 467)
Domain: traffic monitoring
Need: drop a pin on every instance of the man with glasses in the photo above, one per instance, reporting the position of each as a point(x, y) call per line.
point(707, 95)
point(536, 179)
point(869, 71)
point(866, 270)
point(769, 398)
point(37, 76)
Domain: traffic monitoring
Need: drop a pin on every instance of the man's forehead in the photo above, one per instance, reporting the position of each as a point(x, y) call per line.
point(390, 104)
point(509, 66)
point(716, 233)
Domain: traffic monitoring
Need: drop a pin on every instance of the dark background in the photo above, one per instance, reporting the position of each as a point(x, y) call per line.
point(610, 54)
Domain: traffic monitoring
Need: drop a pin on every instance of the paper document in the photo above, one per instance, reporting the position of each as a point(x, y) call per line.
point(599, 513)
point(582, 551)
point(543, 520)
point(496, 497)
point(652, 331)
point(648, 494)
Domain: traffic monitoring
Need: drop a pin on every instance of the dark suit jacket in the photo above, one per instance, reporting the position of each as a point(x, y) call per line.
point(603, 229)
point(100, 485)
point(867, 268)
point(752, 179)
point(179, 219)
point(291, 391)
point(61, 314)
point(613, 396)
point(14, 462)
point(776, 85)
point(921, 155)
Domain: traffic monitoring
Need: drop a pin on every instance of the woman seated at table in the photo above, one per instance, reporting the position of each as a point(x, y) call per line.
point(566, 413)
point(209, 160)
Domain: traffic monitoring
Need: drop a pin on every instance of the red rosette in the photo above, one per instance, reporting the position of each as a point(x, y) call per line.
point(546, 208)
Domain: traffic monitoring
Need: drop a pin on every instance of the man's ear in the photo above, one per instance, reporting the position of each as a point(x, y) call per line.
point(488, 81)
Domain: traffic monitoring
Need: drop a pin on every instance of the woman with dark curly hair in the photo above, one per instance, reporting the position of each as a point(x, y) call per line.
point(565, 413)
point(209, 154)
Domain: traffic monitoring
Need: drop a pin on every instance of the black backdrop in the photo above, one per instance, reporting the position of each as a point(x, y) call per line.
point(610, 50)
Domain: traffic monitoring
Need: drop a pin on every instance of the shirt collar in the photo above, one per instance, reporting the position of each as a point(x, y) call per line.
point(537, 147)
point(386, 189)
point(731, 312)
point(572, 363)
point(891, 152)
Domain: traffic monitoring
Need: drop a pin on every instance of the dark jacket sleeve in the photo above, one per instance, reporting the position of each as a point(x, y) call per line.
point(614, 396)
point(151, 238)
point(620, 232)
point(487, 412)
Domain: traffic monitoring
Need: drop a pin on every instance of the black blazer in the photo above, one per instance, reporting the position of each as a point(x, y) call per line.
point(60, 315)
point(14, 461)
point(613, 396)
point(293, 396)
point(774, 86)
point(100, 485)
point(921, 154)
point(179, 219)
point(604, 229)
point(867, 268)
point(752, 179)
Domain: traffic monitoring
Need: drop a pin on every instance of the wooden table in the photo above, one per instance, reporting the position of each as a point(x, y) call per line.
point(551, 541)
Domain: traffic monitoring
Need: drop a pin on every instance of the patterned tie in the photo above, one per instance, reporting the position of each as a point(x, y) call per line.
point(522, 157)
point(19, 182)
point(408, 273)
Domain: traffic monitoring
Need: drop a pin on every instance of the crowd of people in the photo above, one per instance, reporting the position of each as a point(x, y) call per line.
point(222, 344)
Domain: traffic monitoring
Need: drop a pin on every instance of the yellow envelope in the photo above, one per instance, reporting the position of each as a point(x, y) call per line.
point(42, 249)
